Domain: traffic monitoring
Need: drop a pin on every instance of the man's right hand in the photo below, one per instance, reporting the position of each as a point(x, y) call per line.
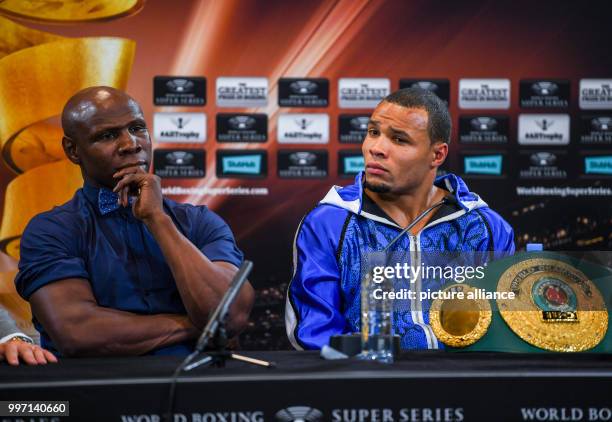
point(15, 350)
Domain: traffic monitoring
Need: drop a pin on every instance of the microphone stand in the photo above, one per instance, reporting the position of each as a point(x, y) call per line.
point(215, 330)
point(220, 355)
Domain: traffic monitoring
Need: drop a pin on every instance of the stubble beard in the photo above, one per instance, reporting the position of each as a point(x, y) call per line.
point(377, 187)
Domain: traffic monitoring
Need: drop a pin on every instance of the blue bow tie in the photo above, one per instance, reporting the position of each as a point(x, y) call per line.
point(108, 201)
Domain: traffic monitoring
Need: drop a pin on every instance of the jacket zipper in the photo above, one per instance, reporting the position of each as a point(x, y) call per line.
point(415, 305)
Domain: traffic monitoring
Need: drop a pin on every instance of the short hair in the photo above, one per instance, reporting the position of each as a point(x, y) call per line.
point(438, 122)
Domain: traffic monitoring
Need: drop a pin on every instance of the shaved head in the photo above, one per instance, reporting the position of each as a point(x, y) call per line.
point(82, 108)
point(104, 131)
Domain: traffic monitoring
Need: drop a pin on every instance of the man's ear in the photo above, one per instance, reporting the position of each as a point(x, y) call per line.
point(70, 149)
point(440, 152)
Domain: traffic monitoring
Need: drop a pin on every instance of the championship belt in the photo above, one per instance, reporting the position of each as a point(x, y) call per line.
point(560, 304)
point(460, 322)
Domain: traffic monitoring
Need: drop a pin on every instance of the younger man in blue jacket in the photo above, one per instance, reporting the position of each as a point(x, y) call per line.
point(407, 140)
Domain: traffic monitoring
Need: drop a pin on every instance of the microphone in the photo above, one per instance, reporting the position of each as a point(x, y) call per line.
point(220, 313)
point(449, 200)
point(215, 321)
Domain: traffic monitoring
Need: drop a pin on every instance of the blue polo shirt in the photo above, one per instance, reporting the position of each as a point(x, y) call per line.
point(117, 254)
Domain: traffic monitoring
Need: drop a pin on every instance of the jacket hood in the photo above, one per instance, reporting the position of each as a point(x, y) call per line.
point(350, 197)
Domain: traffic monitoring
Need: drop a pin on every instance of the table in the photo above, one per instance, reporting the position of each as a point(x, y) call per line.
point(420, 386)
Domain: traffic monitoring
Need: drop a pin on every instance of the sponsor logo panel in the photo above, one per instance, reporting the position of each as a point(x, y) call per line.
point(544, 129)
point(484, 93)
point(544, 93)
point(241, 92)
point(303, 92)
point(597, 165)
point(595, 94)
point(596, 130)
point(353, 128)
point(242, 127)
point(240, 164)
point(362, 92)
point(483, 129)
point(302, 164)
point(440, 87)
point(483, 165)
point(350, 163)
point(179, 91)
point(180, 127)
point(303, 128)
point(179, 163)
point(543, 165)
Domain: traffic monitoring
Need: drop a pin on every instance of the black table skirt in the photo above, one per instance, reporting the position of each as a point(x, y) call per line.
point(419, 386)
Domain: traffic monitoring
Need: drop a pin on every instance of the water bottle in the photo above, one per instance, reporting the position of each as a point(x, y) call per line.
point(376, 319)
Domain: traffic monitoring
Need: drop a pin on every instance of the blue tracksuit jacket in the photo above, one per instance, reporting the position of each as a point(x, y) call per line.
point(323, 297)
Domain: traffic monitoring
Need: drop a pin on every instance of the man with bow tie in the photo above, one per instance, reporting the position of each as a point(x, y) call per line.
point(119, 269)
